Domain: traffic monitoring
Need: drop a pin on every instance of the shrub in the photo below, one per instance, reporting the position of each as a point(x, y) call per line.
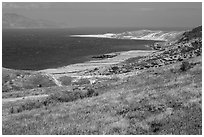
point(67, 96)
point(37, 81)
point(185, 66)
point(115, 68)
point(60, 96)
point(66, 80)
point(29, 105)
point(82, 81)
point(91, 92)
point(63, 96)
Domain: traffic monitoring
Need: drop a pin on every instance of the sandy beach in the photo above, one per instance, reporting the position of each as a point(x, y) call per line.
point(77, 71)
point(76, 68)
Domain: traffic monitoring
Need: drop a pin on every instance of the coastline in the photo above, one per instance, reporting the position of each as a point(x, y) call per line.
point(90, 64)
point(112, 36)
point(78, 70)
point(79, 67)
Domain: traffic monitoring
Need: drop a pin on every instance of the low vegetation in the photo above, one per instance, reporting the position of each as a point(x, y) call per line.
point(151, 101)
point(81, 81)
point(18, 81)
point(52, 99)
point(66, 80)
point(185, 66)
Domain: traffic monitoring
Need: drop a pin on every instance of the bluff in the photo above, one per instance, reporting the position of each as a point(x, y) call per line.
point(186, 46)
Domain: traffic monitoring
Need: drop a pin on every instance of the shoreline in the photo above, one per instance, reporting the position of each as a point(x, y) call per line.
point(73, 69)
point(111, 36)
point(93, 62)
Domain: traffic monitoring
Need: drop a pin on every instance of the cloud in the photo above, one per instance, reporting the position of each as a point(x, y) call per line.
point(25, 5)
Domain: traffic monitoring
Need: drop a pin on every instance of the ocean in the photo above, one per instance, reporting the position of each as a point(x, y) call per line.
point(37, 49)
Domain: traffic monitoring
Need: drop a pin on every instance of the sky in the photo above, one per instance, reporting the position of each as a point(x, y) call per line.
point(115, 14)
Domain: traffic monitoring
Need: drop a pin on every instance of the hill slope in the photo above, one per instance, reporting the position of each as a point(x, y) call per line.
point(141, 35)
point(160, 93)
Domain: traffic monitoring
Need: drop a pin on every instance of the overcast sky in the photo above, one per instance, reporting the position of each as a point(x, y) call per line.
point(112, 14)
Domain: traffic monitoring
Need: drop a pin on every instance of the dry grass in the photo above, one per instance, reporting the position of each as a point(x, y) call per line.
point(157, 101)
point(20, 80)
point(66, 80)
point(51, 99)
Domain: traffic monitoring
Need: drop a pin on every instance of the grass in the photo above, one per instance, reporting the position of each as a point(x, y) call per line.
point(24, 80)
point(52, 99)
point(33, 81)
point(156, 101)
point(23, 93)
point(82, 81)
point(66, 80)
point(68, 96)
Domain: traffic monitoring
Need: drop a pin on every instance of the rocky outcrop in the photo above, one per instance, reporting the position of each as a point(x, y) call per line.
point(189, 45)
point(104, 56)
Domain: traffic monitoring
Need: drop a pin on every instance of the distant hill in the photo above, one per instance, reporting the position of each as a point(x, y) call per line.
point(151, 34)
point(140, 34)
point(13, 20)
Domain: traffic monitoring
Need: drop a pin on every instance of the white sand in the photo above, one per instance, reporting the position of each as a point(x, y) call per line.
point(97, 63)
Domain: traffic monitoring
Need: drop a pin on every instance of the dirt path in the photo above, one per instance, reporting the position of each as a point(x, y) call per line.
point(57, 82)
point(20, 98)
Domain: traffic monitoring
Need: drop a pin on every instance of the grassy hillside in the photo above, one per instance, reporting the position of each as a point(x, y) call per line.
point(152, 95)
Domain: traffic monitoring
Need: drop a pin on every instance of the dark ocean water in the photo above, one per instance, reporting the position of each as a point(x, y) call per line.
point(34, 49)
